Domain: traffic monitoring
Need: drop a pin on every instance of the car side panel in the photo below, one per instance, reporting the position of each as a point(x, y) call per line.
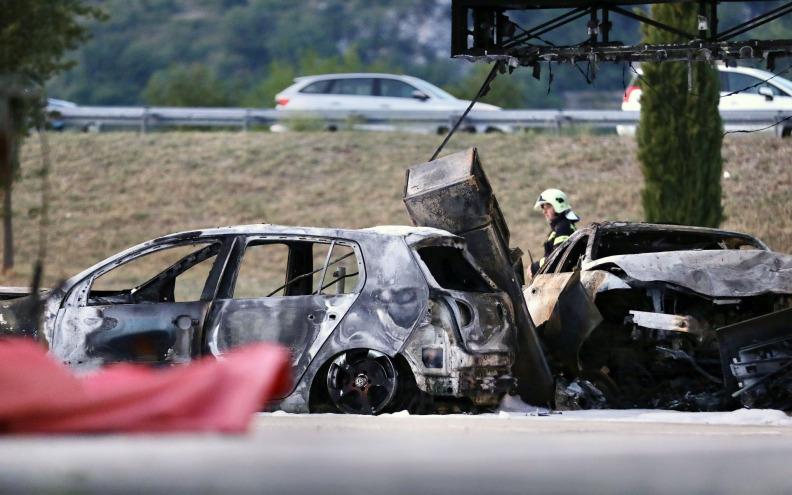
point(301, 323)
point(391, 303)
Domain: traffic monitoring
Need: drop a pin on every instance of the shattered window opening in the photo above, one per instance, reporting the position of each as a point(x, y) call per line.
point(451, 270)
point(655, 241)
point(574, 255)
point(183, 279)
point(295, 269)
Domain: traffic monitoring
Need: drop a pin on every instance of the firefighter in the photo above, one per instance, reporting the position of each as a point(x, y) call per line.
point(558, 213)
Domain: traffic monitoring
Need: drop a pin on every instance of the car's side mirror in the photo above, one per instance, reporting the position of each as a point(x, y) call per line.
point(766, 92)
point(420, 95)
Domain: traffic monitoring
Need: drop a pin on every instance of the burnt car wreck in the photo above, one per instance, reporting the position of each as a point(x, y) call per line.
point(661, 316)
point(436, 318)
point(628, 315)
point(376, 320)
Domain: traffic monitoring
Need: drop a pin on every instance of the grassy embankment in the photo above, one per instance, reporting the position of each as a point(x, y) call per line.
point(111, 191)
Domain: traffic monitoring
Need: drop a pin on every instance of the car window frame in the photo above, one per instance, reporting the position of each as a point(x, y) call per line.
point(575, 243)
point(378, 88)
point(227, 285)
point(78, 294)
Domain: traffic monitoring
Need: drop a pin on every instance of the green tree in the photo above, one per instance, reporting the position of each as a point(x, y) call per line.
point(35, 36)
point(279, 77)
point(680, 130)
point(193, 85)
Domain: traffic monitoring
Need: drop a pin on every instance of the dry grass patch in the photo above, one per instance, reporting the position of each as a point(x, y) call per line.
point(114, 190)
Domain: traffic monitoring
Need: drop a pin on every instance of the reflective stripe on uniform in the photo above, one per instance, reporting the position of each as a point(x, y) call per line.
point(560, 239)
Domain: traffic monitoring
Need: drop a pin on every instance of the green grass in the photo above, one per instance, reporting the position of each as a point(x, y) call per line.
point(113, 190)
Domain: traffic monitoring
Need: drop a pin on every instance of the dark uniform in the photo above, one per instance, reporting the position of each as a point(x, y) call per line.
point(561, 228)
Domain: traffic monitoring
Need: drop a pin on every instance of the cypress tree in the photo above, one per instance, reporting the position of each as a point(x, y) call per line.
point(680, 130)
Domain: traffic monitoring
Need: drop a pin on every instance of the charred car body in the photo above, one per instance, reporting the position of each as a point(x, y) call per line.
point(662, 316)
point(376, 319)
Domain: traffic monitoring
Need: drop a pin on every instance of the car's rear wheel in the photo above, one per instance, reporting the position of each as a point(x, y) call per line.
point(363, 381)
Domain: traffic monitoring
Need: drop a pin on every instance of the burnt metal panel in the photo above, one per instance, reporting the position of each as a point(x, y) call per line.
point(20, 316)
point(715, 273)
point(300, 323)
point(453, 193)
point(542, 295)
point(573, 318)
point(762, 343)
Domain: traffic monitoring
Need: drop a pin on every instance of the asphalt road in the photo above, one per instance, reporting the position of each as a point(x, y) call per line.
point(328, 454)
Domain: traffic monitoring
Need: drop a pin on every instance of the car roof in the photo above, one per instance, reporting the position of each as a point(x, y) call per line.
point(60, 103)
point(616, 226)
point(351, 75)
point(759, 73)
point(411, 234)
point(624, 225)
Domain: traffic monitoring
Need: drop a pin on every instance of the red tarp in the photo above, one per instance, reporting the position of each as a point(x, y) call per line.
point(42, 396)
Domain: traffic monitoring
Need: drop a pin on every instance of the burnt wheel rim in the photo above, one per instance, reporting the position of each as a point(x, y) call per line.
point(362, 382)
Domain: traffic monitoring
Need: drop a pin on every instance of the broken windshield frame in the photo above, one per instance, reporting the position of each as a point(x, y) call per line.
point(617, 242)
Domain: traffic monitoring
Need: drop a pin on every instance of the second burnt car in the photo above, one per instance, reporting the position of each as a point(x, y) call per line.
point(376, 319)
point(666, 316)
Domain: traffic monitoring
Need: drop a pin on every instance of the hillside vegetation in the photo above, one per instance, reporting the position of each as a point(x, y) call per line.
point(246, 50)
point(111, 191)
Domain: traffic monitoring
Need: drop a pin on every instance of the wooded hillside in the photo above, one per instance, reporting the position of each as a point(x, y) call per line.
point(240, 52)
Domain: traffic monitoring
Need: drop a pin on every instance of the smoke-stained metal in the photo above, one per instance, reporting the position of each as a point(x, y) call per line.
point(416, 303)
point(453, 193)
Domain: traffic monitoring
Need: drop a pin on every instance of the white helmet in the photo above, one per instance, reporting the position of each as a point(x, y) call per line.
point(555, 198)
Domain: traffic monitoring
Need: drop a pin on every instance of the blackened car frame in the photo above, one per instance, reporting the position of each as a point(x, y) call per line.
point(666, 316)
point(376, 319)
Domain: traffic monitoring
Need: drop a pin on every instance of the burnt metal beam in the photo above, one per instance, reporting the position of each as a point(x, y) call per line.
point(528, 55)
point(492, 35)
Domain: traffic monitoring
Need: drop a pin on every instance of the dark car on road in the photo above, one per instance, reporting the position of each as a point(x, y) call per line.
point(376, 320)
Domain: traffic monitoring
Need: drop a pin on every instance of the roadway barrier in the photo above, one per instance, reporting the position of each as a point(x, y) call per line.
point(147, 118)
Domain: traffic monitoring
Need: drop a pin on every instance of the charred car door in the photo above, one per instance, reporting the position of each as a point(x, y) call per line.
point(560, 307)
point(543, 292)
point(148, 306)
point(293, 291)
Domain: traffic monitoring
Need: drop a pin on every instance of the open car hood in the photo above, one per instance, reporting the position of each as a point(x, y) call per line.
point(714, 273)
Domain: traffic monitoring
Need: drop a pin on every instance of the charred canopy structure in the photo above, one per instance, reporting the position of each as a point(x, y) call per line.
point(483, 29)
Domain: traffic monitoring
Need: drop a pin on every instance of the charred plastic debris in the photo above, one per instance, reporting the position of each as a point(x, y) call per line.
point(628, 315)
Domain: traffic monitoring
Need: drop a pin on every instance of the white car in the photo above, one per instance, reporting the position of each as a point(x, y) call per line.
point(741, 88)
point(361, 92)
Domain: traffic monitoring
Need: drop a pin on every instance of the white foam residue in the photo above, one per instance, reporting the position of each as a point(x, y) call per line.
point(513, 407)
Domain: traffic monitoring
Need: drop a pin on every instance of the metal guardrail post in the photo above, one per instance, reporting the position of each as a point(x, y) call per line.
point(246, 121)
point(144, 121)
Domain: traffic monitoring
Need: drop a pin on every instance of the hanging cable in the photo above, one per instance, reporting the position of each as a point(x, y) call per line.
point(745, 131)
point(763, 81)
point(481, 92)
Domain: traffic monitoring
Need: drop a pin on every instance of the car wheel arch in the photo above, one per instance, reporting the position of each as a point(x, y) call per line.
point(319, 400)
